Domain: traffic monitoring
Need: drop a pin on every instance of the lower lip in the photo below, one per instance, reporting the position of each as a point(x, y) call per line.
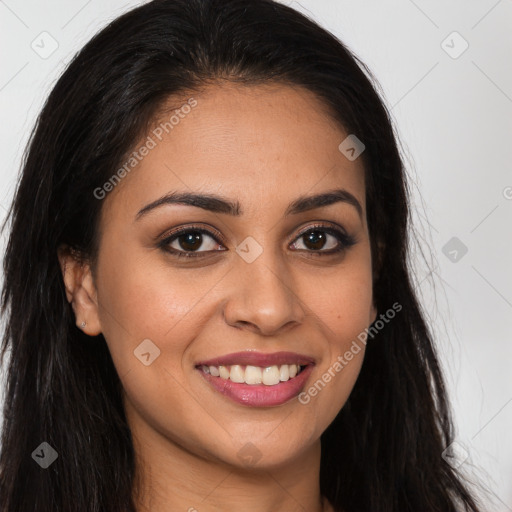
point(259, 395)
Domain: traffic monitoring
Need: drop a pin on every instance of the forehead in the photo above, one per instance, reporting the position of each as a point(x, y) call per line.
point(263, 145)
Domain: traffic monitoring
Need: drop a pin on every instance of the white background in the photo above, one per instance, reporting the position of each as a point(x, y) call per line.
point(454, 118)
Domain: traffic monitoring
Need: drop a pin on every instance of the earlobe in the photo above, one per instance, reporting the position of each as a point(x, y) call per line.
point(80, 291)
point(85, 305)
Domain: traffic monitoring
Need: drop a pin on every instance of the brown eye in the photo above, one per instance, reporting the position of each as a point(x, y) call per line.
point(322, 239)
point(190, 242)
point(315, 240)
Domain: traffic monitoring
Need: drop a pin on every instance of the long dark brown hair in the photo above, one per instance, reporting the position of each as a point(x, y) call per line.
point(383, 452)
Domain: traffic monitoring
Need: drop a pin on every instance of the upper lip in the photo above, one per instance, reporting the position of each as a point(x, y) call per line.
point(253, 358)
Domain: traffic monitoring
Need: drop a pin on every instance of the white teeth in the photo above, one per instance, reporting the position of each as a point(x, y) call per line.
point(237, 374)
point(269, 376)
point(253, 375)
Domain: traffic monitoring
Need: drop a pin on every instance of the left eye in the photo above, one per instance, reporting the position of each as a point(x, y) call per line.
point(318, 239)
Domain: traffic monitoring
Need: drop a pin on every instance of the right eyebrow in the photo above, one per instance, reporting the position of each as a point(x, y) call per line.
point(209, 202)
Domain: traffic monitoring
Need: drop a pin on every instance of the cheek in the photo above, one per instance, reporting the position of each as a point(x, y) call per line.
point(140, 300)
point(342, 301)
point(141, 296)
point(342, 307)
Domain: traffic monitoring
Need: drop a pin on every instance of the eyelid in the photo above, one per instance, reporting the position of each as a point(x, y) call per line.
point(185, 228)
point(328, 227)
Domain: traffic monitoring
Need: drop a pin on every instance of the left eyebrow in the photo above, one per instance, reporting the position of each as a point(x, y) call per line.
point(219, 204)
point(305, 203)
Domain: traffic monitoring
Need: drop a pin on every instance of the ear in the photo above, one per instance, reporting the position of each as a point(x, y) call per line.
point(80, 290)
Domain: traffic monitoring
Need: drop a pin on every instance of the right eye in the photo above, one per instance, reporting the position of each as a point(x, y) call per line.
point(190, 242)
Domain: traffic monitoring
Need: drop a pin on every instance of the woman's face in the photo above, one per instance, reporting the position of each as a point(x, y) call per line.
point(274, 280)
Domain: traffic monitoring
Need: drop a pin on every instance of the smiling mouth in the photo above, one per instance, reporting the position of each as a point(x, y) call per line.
point(254, 375)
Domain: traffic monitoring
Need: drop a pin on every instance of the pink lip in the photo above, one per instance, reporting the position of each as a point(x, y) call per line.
point(259, 395)
point(259, 359)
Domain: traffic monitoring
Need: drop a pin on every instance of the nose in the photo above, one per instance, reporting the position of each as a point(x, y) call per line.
point(262, 297)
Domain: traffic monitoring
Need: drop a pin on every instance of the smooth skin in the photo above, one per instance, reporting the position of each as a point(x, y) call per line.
point(263, 146)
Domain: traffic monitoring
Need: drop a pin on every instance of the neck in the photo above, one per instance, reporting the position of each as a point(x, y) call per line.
point(170, 477)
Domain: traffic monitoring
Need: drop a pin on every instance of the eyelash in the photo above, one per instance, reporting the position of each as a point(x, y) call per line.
point(345, 240)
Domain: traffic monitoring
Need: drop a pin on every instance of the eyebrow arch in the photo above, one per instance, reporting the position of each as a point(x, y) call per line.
point(218, 204)
point(340, 195)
